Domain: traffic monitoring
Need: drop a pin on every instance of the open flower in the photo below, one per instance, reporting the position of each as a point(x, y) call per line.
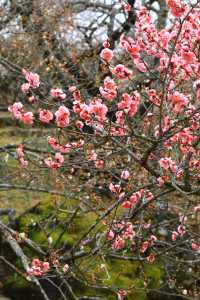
point(45, 115)
point(27, 118)
point(38, 267)
point(106, 54)
point(62, 116)
point(32, 78)
point(58, 94)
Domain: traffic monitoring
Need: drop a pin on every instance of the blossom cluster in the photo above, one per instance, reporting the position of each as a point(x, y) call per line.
point(38, 267)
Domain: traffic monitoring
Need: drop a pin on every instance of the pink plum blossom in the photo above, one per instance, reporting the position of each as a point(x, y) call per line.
point(25, 87)
point(38, 268)
point(65, 268)
point(16, 109)
point(121, 72)
point(62, 116)
point(58, 94)
point(125, 174)
point(121, 294)
point(106, 54)
point(45, 116)
point(32, 78)
point(27, 118)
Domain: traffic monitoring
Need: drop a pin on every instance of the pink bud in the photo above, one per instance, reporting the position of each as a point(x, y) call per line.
point(125, 174)
point(65, 268)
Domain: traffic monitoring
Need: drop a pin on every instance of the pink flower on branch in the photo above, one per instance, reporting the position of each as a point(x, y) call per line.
point(121, 72)
point(58, 94)
point(99, 109)
point(21, 155)
point(121, 294)
point(45, 116)
point(118, 244)
point(25, 87)
point(27, 118)
point(178, 101)
point(106, 54)
point(38, 267)
point(168, 164)
point(177, 8)
point(125, 174)
point(151, 258)
point(56, 163)
point(109, 90)
point(65, 268)
point(195, 246)
point(62, 116)
point(16, 109)
point(32, 78)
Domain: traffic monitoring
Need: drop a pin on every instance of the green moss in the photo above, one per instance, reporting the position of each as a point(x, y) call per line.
point(28, 220)
point(138, 295)
point(18, 200)
point(61, 216)
point(83, 221)
point(154, 273)
point(39, 237)
point(16, 281)
point(46, 206)
point(9, 136)
point(128, 275)
point(32, 223)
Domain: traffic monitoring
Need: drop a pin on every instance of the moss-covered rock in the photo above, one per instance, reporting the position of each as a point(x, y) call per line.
point(50, 218)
